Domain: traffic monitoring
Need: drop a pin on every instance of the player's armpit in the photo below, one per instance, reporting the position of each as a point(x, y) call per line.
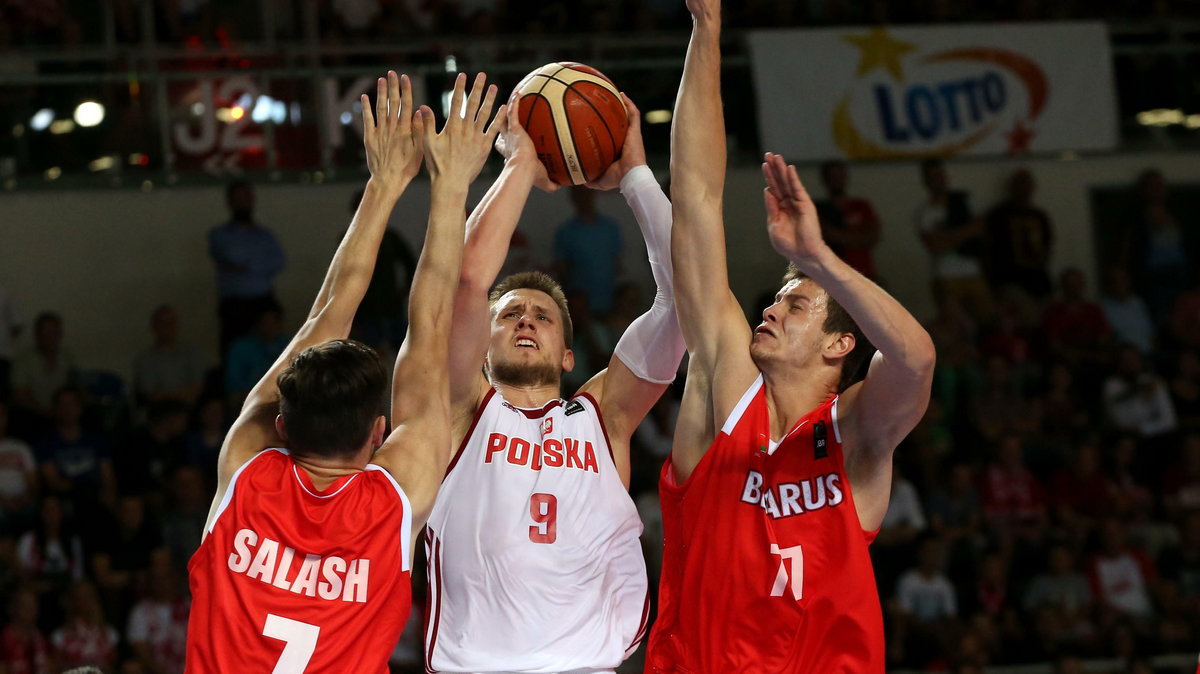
point(415, 456)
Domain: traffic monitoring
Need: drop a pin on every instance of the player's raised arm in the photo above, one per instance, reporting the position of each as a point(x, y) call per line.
point(490, 228)
point(713, 326)
point(418, 449)
point(875, 416)
point(393, 157)
point(649, 352)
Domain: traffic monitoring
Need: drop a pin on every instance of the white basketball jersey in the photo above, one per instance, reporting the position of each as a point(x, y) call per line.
point(534, 559)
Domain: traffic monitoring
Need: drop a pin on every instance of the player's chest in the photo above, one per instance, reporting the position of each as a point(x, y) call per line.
point(802, 475)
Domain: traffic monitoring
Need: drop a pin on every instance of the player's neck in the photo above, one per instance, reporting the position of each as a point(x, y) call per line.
point(795, 393)
point(530, 396)
point(323, 471)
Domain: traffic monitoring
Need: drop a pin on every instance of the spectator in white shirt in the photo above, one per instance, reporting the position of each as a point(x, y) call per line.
point(167, 370)
point(1138, 400)
point(925, 593)
point(18, 475)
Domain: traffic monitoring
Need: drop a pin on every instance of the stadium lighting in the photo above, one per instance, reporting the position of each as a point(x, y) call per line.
point(237, 112)
point(61, 126)
point(346, 118)
point(197, 108)
point(1160, 117)
point(658, 116)
point(102, 163)
point(89, 113)
point(451, 64)
point(41, 119)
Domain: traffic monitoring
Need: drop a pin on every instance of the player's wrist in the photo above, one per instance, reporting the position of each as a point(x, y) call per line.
point(637, 176)
point(387, 186)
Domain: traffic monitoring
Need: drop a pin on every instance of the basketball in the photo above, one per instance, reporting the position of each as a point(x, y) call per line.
point(576, 118)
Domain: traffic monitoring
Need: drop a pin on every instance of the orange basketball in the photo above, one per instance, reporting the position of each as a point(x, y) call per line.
point(576, 118)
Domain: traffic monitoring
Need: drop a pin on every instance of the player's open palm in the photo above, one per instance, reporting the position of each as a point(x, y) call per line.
point(392, 136)
point(633, 152)
point(460, 149)
point(791, 216)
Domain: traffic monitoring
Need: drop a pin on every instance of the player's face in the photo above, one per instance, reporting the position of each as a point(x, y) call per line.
point(527, 344)
point(792, 330)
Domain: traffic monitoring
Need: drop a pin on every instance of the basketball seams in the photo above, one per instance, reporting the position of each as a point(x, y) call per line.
point(570, 77)
point(562, 150)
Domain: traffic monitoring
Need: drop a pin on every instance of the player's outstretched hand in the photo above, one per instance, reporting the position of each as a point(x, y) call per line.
point(791, 216)
point(633, 152)
point(393, 135)
point(515, 145)
point(460, 149)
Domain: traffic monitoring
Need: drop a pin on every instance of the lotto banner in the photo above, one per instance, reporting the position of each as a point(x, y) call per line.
point(906, 93)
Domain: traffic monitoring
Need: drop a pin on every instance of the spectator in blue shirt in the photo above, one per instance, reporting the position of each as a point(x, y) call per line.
point(251, 355)
point(587, 251)
point(247, 258)
point(73, 462)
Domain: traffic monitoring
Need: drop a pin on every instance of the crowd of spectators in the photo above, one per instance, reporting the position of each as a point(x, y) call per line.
point(1046, 508)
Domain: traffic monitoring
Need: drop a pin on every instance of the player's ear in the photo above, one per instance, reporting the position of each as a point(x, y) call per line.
point(378, 431)
point(280, 427)
point(568, 362)
point(840, 346)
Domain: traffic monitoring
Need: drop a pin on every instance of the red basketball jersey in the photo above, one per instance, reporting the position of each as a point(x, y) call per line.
point(292, 579)
point(765, 566)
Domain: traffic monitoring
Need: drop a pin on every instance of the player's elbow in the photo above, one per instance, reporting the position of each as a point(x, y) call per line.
point(922, 355)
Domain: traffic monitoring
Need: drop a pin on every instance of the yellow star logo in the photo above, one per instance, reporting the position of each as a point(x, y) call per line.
point(879, 50)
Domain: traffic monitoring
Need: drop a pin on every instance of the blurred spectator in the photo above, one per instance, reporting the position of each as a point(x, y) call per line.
point(10, 328)
point(168, 369)
point(124, 556)
point(1185, 318)
point(203, 444)
point(252, 355)
point(954, 509)
point(247, 258)
point(1136, 399)
point(520, 255)
point(184, 520)
point(1011, 493)
point(849, 224)
point(1181, 564)
point(999, 407)
point(1075, 328)
point(1185, 389)
point(1064, 412)
point(144, 461)
point(1020, 240)
point(1080, 492)
point(382, 317)
point(86, 639)
point(1061, 587)
point(75, 463)
point(18, 478)
point(1156, 246)
point(954, 238)
point(1181, 486)
point(991, 585)
point(23, 647)
point(51, 554)
point(1126, 312)
point(1120, 574)
point(587, 252)
point(43, 369)
point(924, 592)
point(905, 518)
point(157, 630)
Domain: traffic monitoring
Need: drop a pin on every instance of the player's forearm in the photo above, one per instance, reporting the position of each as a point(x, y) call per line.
point(354, 262)
point(491, 225)
point(431, 299)
point(698, 130)
point(890, 328)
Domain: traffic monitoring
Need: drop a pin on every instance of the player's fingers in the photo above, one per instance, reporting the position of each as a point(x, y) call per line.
point(380, 100)
point(772, 204)
point(428, 128)
point(769, 176)
point(406, 102)
point(368, 119)
point(635, 115)
point(393, 96)
point(474, 97)
point(797, 186)
point(418, 129)
point(455, 115)
point(514, 112)
point(499, 122)
point(485, 108)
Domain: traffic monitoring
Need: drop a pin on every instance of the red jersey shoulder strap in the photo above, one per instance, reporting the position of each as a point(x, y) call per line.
point(405, 517)
point(272, 452)
point(740, 409)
